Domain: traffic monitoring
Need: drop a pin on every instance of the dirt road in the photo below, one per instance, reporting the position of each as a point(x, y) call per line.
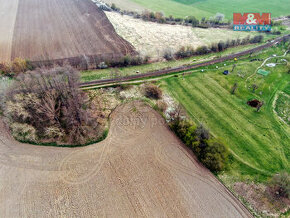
point(140, 170)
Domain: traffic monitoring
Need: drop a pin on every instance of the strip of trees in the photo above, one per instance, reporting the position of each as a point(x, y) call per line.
point(159, 17)
point(210, 151)
point(189, 51)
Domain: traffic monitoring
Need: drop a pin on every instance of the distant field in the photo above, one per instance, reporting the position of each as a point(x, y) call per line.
point(259, 142)
point(56, 29)
point(207, 8)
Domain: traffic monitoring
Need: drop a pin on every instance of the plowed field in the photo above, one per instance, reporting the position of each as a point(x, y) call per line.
point(140, 170)
point(41, 30)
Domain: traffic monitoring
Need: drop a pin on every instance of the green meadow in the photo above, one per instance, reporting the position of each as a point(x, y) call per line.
point(208, 8)
point(258, 141)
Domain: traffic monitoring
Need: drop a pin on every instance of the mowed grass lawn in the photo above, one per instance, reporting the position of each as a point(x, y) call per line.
point(259, 141)
point(208, 8)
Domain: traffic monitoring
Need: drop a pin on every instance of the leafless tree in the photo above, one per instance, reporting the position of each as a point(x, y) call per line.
point(234, 88)
point(234, 66)
point(52, 98)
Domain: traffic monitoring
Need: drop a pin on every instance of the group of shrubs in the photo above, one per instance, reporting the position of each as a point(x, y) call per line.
point(18, 65)
point(184, 52)
point(152, 91)
point(128, 61)
point(47, 106)
point(214, 154)
point(280, 184)
point(211, 152)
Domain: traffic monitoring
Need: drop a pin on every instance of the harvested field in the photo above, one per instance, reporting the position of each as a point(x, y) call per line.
point(153, 38)
point(140, 170)
point(57, 29)
point(8, 12)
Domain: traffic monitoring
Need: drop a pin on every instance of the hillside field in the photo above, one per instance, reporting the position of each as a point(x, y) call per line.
point(208, 8)
point(259, 141)
point(57, 29)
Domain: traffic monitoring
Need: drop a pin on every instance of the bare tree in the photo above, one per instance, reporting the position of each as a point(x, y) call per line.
point(234, 66)
point(234, 88)
point(177, 114)
point(52, 98)
point(219, 17)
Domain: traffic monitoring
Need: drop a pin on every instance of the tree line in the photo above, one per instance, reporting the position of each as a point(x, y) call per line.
point(189, 51)
point(159, 17)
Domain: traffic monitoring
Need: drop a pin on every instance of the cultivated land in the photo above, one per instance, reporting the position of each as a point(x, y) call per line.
point(140, 170)
point(57, 29)
point(8, 13)
point(154, 39)
point(259, 142)
point(208, 8)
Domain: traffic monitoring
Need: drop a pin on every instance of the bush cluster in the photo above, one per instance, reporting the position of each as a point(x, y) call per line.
point(161, 106)
point(280, 183)
point(47, 106)
point(128, 61)
point(18, 65)
point(211, 152)
point(152, 91)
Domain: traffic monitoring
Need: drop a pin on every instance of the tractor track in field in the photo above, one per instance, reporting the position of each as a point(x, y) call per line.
point(182, 68)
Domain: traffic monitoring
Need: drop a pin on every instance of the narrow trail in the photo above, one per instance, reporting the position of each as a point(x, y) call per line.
point(264, 62)
point(140, 170)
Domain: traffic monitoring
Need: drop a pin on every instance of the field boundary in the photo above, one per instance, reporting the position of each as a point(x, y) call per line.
point(82, 62)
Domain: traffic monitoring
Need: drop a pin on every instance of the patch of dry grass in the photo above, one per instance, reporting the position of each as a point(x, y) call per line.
point(153, 38)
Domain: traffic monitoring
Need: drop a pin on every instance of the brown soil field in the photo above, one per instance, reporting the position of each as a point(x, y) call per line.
point(57, 29)
point(8, 12)
point(140, 170)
